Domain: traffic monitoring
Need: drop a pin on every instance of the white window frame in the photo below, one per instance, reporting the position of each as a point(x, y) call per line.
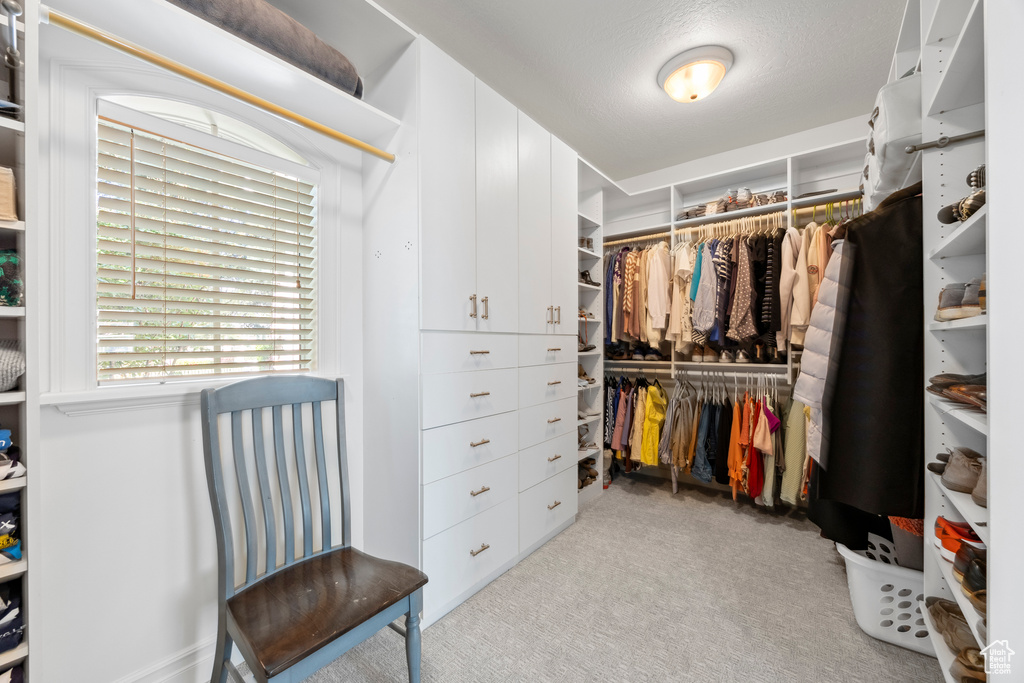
point(71, 96)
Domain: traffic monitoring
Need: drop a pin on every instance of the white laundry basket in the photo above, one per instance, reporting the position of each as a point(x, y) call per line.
point(886, 599)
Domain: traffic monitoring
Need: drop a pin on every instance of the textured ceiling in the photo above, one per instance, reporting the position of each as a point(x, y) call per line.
point(586, 69)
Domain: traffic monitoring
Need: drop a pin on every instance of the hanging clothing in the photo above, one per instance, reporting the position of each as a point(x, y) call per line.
point(789, 258)
point(637, 429)
point(724, 444)
point(741, 322)
point(795, 452)
point(654, 418)
point(658, 292)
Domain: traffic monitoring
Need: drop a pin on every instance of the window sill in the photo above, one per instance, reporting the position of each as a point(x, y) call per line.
point(132, 397)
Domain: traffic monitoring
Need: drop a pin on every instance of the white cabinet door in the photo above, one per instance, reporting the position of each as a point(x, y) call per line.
point(497, 211)
point(447, 192)
point(534, 227)
point(564, 207)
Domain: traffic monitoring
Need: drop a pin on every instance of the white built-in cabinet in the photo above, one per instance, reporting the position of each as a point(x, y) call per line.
point(547, 219)
point(469, 201)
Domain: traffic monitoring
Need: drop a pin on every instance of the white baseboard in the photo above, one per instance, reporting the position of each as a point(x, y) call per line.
point(191, 665)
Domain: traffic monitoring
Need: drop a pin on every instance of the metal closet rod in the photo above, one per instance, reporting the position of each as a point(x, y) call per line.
point(644, 238)
point(944, 140)
point(52, 16)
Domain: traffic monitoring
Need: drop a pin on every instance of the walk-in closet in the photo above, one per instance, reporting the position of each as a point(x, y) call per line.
point(382, 340)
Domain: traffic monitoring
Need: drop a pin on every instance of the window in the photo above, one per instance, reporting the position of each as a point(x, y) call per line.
point(205, 263)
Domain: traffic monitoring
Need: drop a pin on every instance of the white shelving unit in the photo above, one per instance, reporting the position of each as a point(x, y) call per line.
point(591, 299)
point(953, 103)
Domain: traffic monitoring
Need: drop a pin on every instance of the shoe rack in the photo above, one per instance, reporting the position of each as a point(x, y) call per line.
point(592, 327)
point(951, 42)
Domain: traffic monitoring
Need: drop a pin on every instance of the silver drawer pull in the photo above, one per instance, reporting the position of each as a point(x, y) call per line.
point(554, 420)
point(554, 505)
point(479, 353)
point(483, 547)
point(482, 393)
point(473, 299)
point(554, 458)
point(481, 442)
point(553, 350)
point(483, 489)
point(557, 381)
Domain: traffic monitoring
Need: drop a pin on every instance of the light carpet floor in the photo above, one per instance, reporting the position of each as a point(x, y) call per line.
point(651, 586)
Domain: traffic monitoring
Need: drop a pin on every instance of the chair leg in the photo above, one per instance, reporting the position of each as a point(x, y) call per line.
point(412, 637)
point(221, 654)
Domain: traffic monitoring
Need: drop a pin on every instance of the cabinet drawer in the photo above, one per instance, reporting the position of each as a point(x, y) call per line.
point(461, 496)
point(545, 460)
point(546, 421)
point(455, 448)
point(450, 566)
point(547, 383)
point(546, 506)
point(464, 351)
point(460, 396)
point(543, 349)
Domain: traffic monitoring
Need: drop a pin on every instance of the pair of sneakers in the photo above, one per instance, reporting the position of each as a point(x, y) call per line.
point(964, 470)
point(961, 300)
point(704, 354)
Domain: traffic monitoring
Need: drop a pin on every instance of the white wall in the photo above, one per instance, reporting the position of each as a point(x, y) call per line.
point(123, 557)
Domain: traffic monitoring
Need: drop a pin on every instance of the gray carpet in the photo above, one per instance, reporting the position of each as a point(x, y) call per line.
point(648, 586)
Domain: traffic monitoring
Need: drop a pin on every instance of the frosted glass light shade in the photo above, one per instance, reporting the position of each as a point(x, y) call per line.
point(694, 74)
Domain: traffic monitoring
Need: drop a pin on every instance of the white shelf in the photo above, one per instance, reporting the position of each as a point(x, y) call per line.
point(17, 226)
point(584, 285)
point(8, 398)
point(587, 223)
point(15, 484)
point(12, 311)
point(948, 19)
point(644, 364)
point(963, 82)
point(586, 253)
point(14, 656)
point(819, 199)
point(589, 453)
point(767, 368)
point(942, 652)
point(588, 387)
point(975, 515)
point(780, 207)
point(11, 570)
point(12, 124)
point(588, 420)
point(588, 320)
point(978, 322)
point(974, 419)
point(962, 601)
point(967, 240)
point(592, 352)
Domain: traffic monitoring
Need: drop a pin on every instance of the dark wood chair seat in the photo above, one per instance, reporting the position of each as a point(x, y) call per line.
point(305, 606)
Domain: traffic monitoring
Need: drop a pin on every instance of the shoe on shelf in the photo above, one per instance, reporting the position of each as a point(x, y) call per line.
point(760, 352)
point(10, 465)
point(697, 355)
point(973, 585)
point(775, 356)
point(961, 473)
point(950, 622)
point(957, 302)
point(585, 279)
point(980, 493)
point(948, 379)
point(584, 347)
point(583, 375)
point(727, 357)
point(964, 557)
point(968, 667)
point(653, 354)
point(742, 356)
point(981, 294)
point(971, 395)
point(710, 355)
point(950, 535)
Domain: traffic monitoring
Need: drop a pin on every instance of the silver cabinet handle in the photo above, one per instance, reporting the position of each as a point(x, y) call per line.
point(559, 309)
point(478, 395)
point(483, 547)
point(553, 350)
point(473, 299)
point(481, 442)
point(554, 420)
point(483, 489)
point(554, 458)
point(557, 381)
point(479, 353)
point(554, 505)
point(486, 308)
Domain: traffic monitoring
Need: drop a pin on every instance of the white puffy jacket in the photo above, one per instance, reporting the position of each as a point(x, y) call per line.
point(821, 353)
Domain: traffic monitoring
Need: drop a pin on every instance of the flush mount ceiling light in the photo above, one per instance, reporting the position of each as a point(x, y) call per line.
point(694, 74)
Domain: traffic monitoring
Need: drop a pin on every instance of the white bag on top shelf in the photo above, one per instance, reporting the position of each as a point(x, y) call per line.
point(895, 123)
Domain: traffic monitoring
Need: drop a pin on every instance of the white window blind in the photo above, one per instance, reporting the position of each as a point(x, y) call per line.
point(205, 264)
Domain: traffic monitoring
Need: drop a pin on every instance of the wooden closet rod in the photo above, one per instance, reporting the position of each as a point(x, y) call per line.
point(52, 16)
point(643, 238)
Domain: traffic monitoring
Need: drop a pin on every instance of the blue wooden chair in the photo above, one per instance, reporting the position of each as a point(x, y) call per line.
point(300, 615)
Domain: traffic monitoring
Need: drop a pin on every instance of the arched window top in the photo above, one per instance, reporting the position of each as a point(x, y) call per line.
point(210, 122)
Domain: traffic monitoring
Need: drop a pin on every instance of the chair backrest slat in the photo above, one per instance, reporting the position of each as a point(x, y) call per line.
point(248, 513)
point(286, 490)
point(300, 466)
point(294, 488)
point(269, 526)
point(321, 475)
point(346, 524)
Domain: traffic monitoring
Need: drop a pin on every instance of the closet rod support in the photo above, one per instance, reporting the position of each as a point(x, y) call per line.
point(944, 140)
